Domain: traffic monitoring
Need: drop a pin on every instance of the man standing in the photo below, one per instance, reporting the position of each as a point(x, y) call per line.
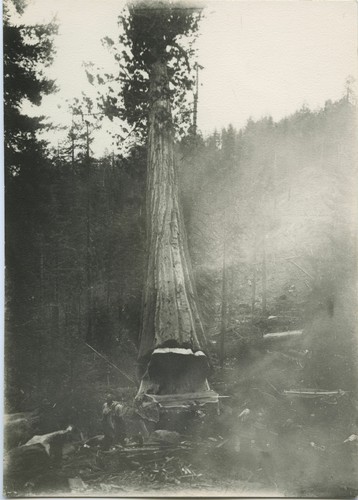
point(114, 427)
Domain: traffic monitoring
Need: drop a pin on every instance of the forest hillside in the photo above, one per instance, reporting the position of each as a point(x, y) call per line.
point(270, 215)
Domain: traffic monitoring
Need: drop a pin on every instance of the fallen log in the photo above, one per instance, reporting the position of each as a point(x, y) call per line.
point(313, 392)
point(53, 442)
point(283, 335)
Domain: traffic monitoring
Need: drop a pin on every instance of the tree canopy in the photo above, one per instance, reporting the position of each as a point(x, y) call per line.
point(27, 50)
point(149, 33)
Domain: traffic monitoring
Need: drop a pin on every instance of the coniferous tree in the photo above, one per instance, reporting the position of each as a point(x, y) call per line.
point(159, 72)
point(27, 52)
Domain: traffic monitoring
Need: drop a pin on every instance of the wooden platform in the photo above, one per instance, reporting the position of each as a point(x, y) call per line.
point(185, 399)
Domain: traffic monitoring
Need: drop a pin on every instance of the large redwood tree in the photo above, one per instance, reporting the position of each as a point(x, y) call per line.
point(158, 77)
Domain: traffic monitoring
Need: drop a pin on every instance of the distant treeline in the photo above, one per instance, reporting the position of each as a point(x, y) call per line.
point(275, 205)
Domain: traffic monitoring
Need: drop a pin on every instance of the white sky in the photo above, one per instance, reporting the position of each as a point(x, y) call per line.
point(259, 58)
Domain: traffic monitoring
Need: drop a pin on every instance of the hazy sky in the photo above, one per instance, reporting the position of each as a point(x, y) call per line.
point(259, 58)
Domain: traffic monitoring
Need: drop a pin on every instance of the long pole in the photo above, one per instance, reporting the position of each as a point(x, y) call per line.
point(110, 363)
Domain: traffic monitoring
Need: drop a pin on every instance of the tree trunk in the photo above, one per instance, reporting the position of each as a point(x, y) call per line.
point(56, 301)
point(224, 306)
point(264, 276)
point(40, 335)
point(89, 294)
point(230, 300)
point(253, 288)
point(169, 300)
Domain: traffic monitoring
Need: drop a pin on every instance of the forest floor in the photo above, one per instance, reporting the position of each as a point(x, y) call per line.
point(264, 442)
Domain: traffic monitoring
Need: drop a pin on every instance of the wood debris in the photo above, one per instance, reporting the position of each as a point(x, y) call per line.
point(283, 335)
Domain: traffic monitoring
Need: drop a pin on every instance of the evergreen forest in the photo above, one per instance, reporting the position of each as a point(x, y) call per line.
point(270, 216)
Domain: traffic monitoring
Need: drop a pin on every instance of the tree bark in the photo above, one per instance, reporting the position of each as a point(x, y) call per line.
point(169, 299)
